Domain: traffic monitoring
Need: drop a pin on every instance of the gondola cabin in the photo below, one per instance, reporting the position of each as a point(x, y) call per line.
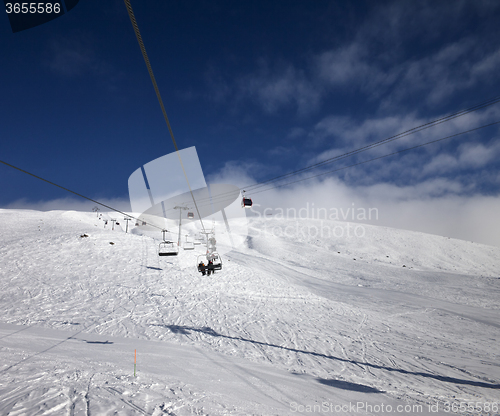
point(190, 215)
point(246, 203)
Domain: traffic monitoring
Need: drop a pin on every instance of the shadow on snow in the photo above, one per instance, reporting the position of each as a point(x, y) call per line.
point(186, 330)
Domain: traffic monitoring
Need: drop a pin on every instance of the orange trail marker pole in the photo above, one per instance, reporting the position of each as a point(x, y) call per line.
point(135, 360)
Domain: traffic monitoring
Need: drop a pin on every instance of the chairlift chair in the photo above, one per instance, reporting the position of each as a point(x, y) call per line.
point(198, 239)
point(168, 248)
point(216, 260)
point(202, 263)
point(188, 245)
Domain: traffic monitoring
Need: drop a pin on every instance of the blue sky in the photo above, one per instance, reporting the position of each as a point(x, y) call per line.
point(261, 88)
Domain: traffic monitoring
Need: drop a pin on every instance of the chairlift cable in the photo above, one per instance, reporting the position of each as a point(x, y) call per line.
point(75, 193)
point(384, 141)
point(413, 130)
point(157, 91)
point(379, 157)
point(376, 158)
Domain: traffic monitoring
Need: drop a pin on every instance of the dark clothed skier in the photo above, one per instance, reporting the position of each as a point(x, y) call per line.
point(210, 267)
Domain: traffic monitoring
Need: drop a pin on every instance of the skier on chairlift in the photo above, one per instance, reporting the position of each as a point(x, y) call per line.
point(210, 267)
point(202, 268)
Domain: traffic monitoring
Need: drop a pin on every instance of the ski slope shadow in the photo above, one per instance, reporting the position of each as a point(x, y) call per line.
point(346, 385)
point(186, 330)
point(93, 342)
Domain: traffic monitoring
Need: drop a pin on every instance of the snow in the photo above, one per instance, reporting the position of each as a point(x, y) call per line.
point(297, 322)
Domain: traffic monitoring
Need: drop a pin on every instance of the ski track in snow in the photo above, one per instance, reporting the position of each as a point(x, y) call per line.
point(287, 320)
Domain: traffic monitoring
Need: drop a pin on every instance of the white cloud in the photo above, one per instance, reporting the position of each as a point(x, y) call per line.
point(422, 207)
point(488, 65)
point(350, 133)
point(379, 62)
point(383, 60)
point(440, 164)
point(345, 65)
point(346, 135)
point(469, 156)
point(236, 173)
point(454, 67)
point(478, 155)
point(280, 88)
point(75, 56)
point(296, 132)
point(433, 206)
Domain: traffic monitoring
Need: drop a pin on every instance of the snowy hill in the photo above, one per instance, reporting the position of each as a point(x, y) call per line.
point(299, 321)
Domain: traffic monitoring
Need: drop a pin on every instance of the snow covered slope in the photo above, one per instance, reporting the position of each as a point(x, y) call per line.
point(298, 322)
